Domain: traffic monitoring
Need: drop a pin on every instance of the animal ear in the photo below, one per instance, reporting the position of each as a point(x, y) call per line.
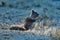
point(33, 11)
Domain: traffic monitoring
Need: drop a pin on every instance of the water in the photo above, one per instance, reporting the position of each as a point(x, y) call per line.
point(15, 11)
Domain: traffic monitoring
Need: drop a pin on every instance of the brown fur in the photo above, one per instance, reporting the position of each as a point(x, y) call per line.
point(28, 22)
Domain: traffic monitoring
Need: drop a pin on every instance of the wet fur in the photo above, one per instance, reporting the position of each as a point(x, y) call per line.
point(24, 26)
point(28, 22)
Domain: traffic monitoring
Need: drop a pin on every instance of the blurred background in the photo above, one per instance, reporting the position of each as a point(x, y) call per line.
point(15, 11)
